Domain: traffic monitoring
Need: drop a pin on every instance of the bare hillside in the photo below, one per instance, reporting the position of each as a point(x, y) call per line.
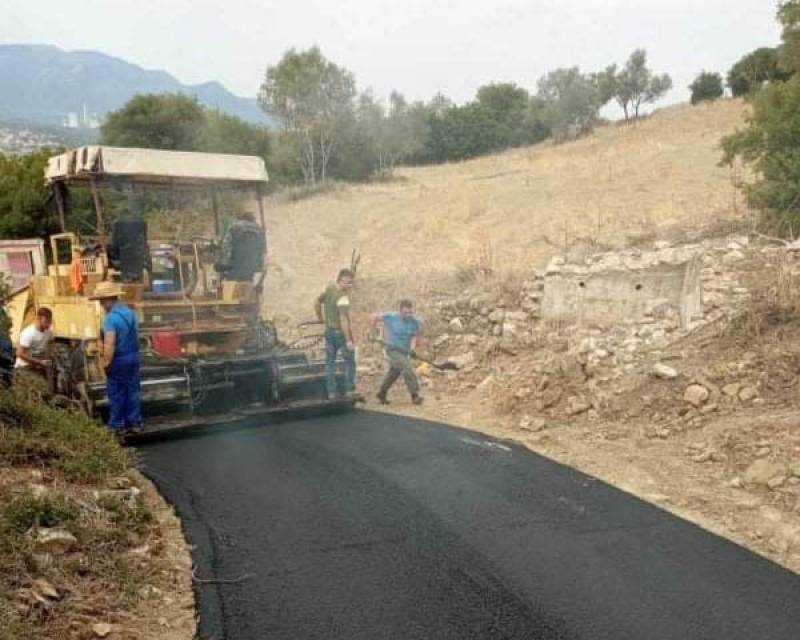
point(506, 211)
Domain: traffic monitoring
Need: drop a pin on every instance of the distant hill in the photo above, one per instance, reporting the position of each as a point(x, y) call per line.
point(41, 84)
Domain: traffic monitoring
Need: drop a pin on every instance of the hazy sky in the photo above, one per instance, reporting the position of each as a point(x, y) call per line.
point(416, 46)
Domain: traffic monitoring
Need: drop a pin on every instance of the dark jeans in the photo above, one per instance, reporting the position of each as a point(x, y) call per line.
point(335, 342)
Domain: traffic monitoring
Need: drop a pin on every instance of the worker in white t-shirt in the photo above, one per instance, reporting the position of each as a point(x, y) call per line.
point(36, 345)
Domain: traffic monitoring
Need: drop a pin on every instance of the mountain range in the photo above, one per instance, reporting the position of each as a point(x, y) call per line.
point(42, 84)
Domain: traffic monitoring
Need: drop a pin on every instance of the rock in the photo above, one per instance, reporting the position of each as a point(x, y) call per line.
point(509, 329)
point(464, 360)
point(577, 405)
point(731, 390)
point(776, 482)
point(736, 483)
point(761, 472)
point(709, 408)
point(101, 629)
point(532, 424)
point(550, 398)
point(747, 394)
point(732, 257)
point(696, 394)
point(46, 589)
point(54, 540)
point(471, 339)
point(123, 482)
point(456, 325)
point(659, 245)
point(705, 456)
point(487, 382)
point(664, 372)
point(497, 316)
point(38, 490)
point(143, 550)
point(516, 316)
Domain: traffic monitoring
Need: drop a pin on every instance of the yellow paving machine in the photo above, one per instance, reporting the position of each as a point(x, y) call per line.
point(208, 356)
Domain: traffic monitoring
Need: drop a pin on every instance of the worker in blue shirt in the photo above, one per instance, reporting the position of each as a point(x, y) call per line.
point(120, 358)
point(401, 329)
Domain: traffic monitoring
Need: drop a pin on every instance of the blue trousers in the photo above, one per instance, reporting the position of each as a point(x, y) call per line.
point(122, 385)
point(335, 342)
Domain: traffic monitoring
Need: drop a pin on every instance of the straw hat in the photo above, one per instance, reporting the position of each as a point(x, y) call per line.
point(107, 290)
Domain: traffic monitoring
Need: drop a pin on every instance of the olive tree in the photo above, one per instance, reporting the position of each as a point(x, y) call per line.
point(311, 97)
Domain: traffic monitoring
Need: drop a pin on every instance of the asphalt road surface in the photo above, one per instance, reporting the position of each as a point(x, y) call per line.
point(370, 526)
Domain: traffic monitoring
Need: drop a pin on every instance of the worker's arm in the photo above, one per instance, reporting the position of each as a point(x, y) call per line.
point(109, 344)
point(318, 309)
point(25, 355)
point(347, 329)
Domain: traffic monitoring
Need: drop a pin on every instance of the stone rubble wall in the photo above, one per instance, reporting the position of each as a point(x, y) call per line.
point(578, 366)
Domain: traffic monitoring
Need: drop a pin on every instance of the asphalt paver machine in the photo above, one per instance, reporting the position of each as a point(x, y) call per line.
point(208, 356)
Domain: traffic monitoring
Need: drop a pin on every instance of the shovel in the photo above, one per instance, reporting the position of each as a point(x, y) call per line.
point(447, 366)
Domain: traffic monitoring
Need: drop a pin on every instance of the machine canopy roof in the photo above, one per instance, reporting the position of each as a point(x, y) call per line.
point(153, 166)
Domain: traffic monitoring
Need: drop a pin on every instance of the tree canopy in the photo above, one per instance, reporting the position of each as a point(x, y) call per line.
point(24, 197)
point(311, 96)
point(770, 143)
point(754, 70)
point(706, 86)
point(636, 84)
point(570, 102)
point(168, 121)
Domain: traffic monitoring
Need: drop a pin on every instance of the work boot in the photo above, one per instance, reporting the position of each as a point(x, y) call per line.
point(417, 399)
point(382, 398)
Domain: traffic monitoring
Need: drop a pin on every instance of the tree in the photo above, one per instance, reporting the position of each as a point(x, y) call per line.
point(789, 52)
point(310, 96)
point(606, 83)
point(24, 199)
point(224, 133)
point(636, 85)
point(516, 122)
point(170, 121)
point(771, 145)
point(505, 99)
point(570, 102)
point(755, 70)
point(707, 86)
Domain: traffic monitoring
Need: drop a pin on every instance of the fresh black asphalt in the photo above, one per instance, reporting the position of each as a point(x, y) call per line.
point(369, 526)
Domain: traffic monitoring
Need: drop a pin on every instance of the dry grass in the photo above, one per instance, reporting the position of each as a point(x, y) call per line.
point(512, 209)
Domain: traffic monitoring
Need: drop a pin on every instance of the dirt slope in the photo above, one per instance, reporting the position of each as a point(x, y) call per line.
point(497, 211)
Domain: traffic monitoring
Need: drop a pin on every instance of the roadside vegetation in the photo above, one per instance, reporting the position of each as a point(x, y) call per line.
point(770, 142)
point(77, 538)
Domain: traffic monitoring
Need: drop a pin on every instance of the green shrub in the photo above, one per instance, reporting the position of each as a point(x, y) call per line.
point(771, 146)
point(66, 440)
point(706, 87)
point(26, 511)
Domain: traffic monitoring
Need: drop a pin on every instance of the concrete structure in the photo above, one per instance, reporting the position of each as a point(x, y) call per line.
point(629, 286)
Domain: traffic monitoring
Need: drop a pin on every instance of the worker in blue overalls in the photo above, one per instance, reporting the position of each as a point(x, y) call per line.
point(120, 359)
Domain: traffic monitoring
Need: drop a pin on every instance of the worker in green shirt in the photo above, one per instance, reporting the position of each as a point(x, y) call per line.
point(333, 308)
